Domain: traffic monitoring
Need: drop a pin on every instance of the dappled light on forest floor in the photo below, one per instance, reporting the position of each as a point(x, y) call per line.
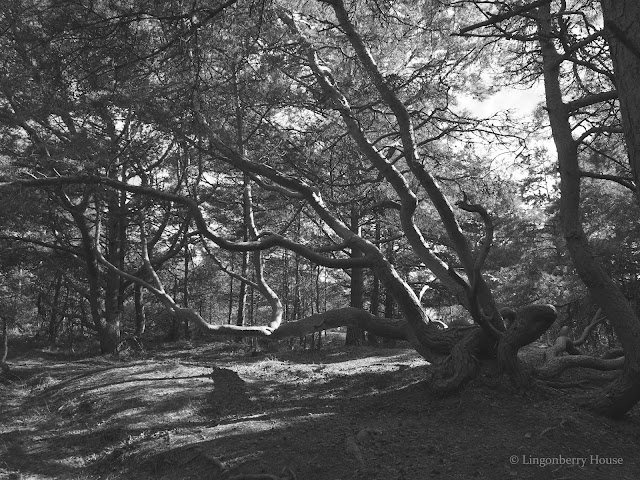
point(334, 414)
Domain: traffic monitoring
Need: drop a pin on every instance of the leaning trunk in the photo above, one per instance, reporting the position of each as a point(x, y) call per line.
point(616, 399)
point(622, 22)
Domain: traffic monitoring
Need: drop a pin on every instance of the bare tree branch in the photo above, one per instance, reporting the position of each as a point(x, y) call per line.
point(624, 181)
point(267, 239)
point(591, 100)
point(495, 19)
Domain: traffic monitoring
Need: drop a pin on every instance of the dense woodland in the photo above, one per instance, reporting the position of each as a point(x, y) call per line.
point(267, 170)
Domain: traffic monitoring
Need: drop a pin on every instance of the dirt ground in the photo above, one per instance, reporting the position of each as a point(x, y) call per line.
point(214, 411)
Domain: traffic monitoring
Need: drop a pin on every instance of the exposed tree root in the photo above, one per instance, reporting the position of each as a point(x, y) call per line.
point(459, 367)
point(556, 365)
point(530, 323)
point(287, 472)
point(617, 398)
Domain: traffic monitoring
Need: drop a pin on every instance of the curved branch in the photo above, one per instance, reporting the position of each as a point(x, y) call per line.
point(624, 181)
point(489, 228)
point(226, 270)
point(597, 318)
point(34, 241)
point(486, 321)
point(408, 199)
point(266, 241)
point(555, 366)
point(407, 136)
point(277, 310)
point(493, 20)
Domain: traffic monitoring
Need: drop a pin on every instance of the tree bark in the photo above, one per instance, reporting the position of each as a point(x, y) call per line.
point(53, 318)
point(4, 346)
point(355, 335)
point(185, 288)
point(141, 321)
point(242, 294)
point(616, 399)
point(622, 32)
point(374, 305)
point(530, 323)
point(555, 366)
point(230, 305)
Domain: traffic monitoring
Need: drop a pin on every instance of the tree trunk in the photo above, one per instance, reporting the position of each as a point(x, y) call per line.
point(355, 336)
point(109, 335)
point(374, 305)
point(92, 272)
point(616, 399)
point(174, 329)
point(185, 289)
point(230, 309)
point(4, 346)
point(110, 328)
point(389, 303)
point(242, 294)
point(141, 321)
point(53, 318)
point(622, 31)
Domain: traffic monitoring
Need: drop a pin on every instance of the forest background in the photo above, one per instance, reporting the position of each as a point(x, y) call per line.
point(259, 167)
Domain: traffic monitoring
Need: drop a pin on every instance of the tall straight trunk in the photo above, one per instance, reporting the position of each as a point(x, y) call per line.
point(374, 306)
point(185, 289)
point(622, 31)
point(620, 396)
point(285, 282)
point(375, 296)
point(55, 308)
point(113, 292)
point(389, 303)
point(355, 335)
point(108, 336)
point(296, 288)
point(4, 345)
point(242, 294)
point(317, 270)
point(141, 321)
point(317, 282)
point(174, 329)
point(230, 309)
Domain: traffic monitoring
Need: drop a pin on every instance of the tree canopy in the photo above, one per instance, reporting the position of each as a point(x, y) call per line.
point(161, 146)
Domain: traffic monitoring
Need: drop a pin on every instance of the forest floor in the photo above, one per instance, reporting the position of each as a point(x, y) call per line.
point(212, 411)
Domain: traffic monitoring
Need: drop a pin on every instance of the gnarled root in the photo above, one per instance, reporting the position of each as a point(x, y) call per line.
point(459, 367)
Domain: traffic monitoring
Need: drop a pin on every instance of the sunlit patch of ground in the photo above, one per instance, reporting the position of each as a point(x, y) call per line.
point(361, 413)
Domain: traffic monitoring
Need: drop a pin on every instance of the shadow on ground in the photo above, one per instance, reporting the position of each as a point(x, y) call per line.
point(362, 413)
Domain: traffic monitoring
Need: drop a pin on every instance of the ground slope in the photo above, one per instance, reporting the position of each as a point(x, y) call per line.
point(188, 412)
